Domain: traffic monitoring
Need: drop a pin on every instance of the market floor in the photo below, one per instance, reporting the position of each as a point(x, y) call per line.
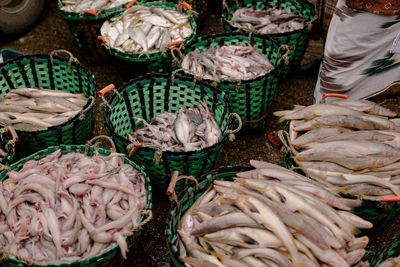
point(52, 33)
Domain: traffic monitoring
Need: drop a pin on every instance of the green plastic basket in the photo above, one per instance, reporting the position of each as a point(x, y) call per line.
point(159, 62)
point(186, 200)
point(251, 99)
point(110, 257)
point(297, 40)
point(56, 73)
point(381, 215)
point(150, 95)
point(390, 250)
point(86, 28)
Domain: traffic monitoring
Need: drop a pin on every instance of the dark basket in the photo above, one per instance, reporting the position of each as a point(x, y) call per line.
point(150, 95)
point(389, 250)
point(159, 62)
point(186, 200)
point(56, 73)
point(86, 29)
point(110, 257)
point(297, 40)
point(381, 215)
point(251, 99)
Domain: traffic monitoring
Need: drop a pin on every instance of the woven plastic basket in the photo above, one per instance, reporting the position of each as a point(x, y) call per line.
point(297, 40)
point(186, 200)
point(381, 215)
point(153, 62)
point(85, 27)
point(150, 95)
point(110, 257)
point(251, 99)
point(56, 73)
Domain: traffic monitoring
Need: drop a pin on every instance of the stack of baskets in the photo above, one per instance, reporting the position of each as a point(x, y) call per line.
point(296, 40)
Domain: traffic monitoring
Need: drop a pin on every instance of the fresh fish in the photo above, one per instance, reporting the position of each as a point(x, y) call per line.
point(97, 5)
point(227, 62)
point(365, 106)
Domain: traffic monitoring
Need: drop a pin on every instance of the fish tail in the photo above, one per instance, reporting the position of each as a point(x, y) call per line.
point(282, 114)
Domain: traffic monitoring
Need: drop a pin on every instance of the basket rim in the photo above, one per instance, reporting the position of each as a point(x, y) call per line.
point(203, 179)
point(124, 87)
point(101, 14)
point(273, 35)
point(81, 149)
point(137, 57)
point(73, 63)
point(272, 72)
point(7, 160)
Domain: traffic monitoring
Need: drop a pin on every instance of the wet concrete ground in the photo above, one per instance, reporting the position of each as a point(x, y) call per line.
point(52, 33)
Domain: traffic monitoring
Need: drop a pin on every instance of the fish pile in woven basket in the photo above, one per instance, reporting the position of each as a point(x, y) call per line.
point(30, 109)
point(71, 207)
point(96, 5)
point(229, 62)
point(271, 216)
point(271, 20)
point(354, 144)
point(188, 130)
point(142, 29)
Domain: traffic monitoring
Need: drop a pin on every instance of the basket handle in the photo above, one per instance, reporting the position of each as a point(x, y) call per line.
point(309, 23)
point(325, 96)
point(230, 132)
point(13, 133)
point(83, 111)
point(101, 38)
point(70, 56)
point(131, 3)
point(149, 214)
point(133, 148)
point(90, 143)
point(285, 55)
point(91, 12)
point(172, 183)
point(104, 91)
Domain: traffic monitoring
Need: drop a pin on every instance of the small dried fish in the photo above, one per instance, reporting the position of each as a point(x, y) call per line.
point(267, 21)
point(227, 62)
point(142, 29)
point(190, 129)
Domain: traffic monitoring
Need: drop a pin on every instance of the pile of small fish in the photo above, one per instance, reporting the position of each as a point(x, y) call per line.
point(267, 21)
point(390, 262)
point(351, 143)
point(142, 29)
point(227, 62)
point(70, 207)
point(29, 109)
point(271, 216)
point(96, 5)
point(190, 129)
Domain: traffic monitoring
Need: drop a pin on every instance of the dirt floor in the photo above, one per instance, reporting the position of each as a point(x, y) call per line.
point(52, 33)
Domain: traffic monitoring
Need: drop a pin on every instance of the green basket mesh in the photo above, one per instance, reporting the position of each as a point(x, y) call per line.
point(86, 29)
point(381, 215)
point(150, 95)
point(186, 200)
point(56, 73)
point(251, 99)
point(297, 40)
point(9, 145)
point(390, 250)
point(110, 257)
point(153, 62)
